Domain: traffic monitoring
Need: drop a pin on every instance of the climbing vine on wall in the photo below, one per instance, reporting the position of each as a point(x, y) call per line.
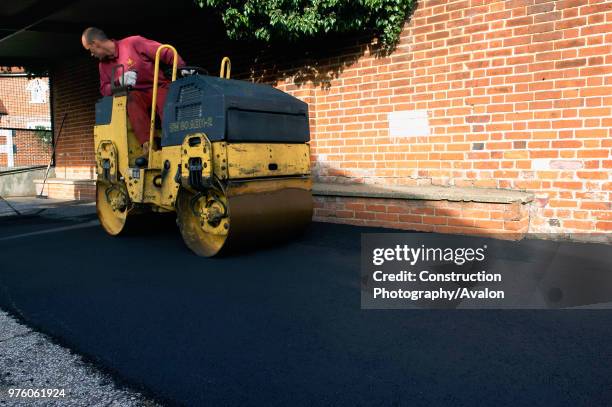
point(270, 20)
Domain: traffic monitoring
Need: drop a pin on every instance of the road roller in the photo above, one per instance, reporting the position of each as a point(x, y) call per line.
point(231, 159)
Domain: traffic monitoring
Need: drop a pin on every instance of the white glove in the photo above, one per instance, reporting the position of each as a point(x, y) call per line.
point(128, 79)
point(187, 72)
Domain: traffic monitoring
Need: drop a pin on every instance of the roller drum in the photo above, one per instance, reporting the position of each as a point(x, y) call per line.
point(258, 212)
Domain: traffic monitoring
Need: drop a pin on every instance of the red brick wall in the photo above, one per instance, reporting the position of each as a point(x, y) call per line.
point(75, 92)
point(507, 221)
point(518, 95)
point(31, 150)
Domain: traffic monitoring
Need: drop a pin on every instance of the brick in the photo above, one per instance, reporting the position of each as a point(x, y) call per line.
point(423, 211)
point(515, 22)
point(411, 218)
point(595, 112)
point(554, 203)
point(355, 206)
point(541, 8)
point(607, 215)
point(548, 95)
point(592, 175)
point(568, 185)
point(578, 224)
point(376, 208)
point(389, 217)
point(518, 225)
point(486, 165)
point(593, 154)
point(475, 213)
point(592, 133)
point(596, 91)
point(607, 226)
point(604, 206)
point(435, 220)
point(567, 144)
point(365, 215)
point(488, 224)
point(478, 119)
point(451, 212)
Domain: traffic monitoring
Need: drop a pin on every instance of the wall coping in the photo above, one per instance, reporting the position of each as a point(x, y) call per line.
point(64, 181)
point(427, 193)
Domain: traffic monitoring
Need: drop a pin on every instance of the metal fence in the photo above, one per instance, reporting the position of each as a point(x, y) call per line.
point(24, 148)
point(25, 122)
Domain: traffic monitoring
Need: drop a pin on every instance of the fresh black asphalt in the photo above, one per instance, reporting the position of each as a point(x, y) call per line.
point(283, 326)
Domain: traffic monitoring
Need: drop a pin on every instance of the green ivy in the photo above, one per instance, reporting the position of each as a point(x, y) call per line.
point(292, 20)
point(45, 135)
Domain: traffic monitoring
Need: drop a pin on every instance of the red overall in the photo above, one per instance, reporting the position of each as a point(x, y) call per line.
point(138, 54)
point(139, 109)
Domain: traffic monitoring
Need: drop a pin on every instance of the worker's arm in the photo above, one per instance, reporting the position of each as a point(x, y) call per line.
point(105, 85)
point(149, 47)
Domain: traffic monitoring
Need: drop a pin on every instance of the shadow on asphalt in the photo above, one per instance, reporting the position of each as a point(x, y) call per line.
point(28, 223)
point(284, 326)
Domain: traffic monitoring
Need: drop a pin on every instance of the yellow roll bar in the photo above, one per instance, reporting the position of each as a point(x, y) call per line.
point(226, 68)
point(155, 85)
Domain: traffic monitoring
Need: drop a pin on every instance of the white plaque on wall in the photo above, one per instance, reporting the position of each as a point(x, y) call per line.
point(413, 123)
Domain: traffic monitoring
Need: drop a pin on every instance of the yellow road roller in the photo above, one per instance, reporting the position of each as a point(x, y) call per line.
point(231, 158)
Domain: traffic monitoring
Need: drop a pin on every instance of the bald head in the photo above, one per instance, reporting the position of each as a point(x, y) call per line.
point(97, 43)
point(93, 33)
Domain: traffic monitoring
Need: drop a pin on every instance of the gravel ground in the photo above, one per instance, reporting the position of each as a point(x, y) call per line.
point(29, 360)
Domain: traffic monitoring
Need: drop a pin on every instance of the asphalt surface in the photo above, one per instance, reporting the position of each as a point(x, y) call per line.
point(283, 325)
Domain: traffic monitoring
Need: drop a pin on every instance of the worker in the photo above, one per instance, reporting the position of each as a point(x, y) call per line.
point(137, 55)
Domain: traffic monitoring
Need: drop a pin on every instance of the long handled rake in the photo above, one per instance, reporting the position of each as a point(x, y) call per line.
point(59, 133)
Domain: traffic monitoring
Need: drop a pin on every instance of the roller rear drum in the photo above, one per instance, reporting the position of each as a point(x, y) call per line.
point(244, 214)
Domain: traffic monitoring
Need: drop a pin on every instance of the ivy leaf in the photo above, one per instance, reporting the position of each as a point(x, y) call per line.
point(269, 20)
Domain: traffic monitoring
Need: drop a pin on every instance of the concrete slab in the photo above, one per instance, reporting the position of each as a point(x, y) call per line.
point(429, 193)
point(81, 189)
point(21, 183)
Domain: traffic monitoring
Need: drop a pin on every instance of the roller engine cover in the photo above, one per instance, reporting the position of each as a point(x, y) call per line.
point(232, 111)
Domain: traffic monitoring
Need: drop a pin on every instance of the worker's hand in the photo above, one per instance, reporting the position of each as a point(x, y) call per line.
point(128, 79)
point(187, 72)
